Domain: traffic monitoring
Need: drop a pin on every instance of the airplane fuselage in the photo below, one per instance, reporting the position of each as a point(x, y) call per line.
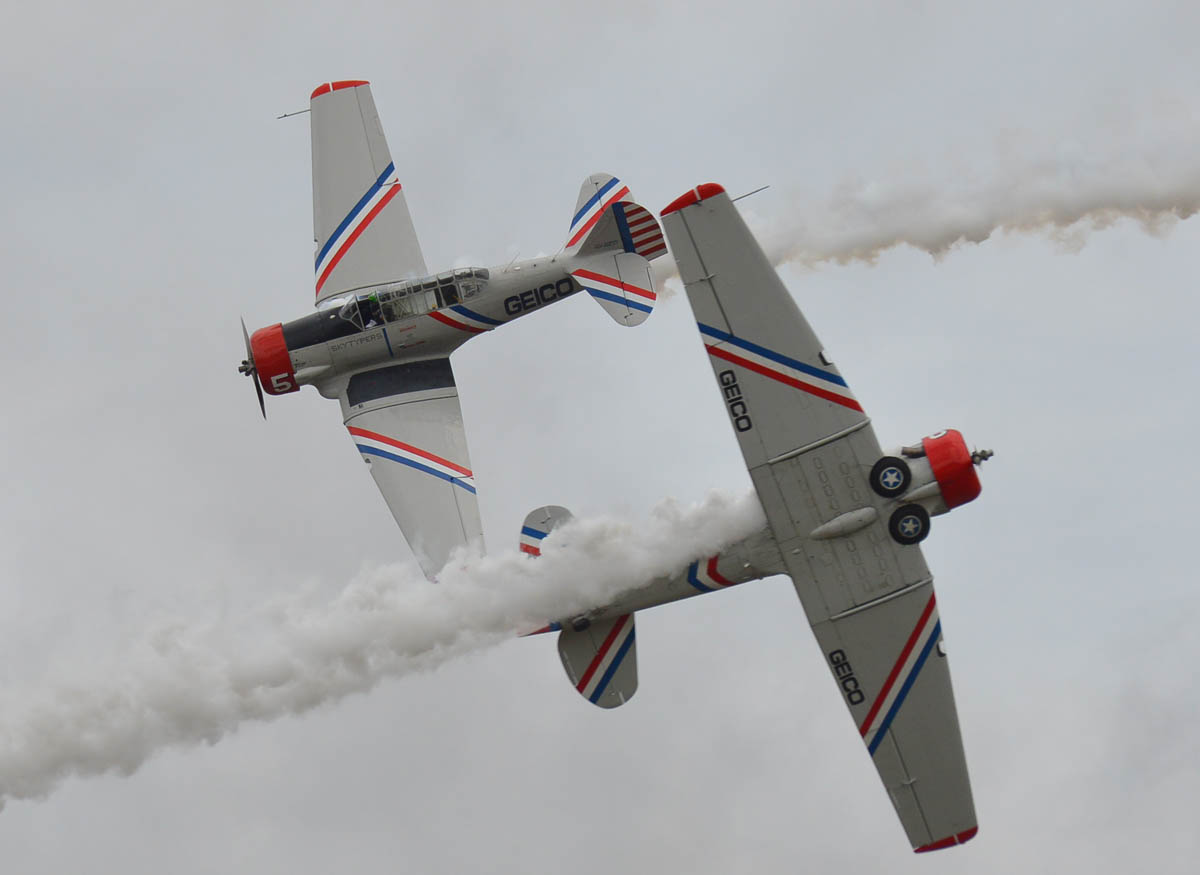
point(752, 558)
point(405, 321)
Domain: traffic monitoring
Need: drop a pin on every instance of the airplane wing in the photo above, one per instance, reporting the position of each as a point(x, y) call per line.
point(361, 224)
point(810, 449)
point(406, 422)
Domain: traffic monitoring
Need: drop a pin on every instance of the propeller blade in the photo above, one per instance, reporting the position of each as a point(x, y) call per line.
point(262, 404)
point(251, 370)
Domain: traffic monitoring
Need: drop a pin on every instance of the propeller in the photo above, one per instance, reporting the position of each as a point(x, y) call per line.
point(248, 368)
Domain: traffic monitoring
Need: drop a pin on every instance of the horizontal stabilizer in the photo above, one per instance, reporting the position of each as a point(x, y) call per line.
point(620, 283)
point(601, 660)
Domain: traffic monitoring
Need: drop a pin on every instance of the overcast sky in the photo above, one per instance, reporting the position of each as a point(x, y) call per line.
point(151, 197)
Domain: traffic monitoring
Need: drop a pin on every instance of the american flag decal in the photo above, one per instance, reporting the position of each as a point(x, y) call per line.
point(640, 231)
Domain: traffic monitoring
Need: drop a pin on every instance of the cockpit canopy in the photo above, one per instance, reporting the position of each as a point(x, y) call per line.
point(403, 300)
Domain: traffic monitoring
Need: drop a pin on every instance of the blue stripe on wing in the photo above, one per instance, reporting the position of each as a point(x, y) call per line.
point(353, 214)
point(912, 677)
point(726, 337)
point(383, 454)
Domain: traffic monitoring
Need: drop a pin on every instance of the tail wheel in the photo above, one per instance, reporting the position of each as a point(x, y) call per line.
point(909, 524)
point(890, 477)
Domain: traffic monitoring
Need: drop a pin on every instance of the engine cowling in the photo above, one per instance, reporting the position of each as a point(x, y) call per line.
point(273, 361)
point(953, 467)
point(924, 481)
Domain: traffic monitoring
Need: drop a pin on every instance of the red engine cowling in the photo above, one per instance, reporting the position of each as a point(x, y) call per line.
point(952, 467)
point(273, 361)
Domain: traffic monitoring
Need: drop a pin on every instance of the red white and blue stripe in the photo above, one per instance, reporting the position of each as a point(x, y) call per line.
point(465, 319)
point(705, 577)
point(386, 187)
point(589, 214)
point(904, 673)
point(531, 540)
point(549, 627)
point(615, 291)
point(372, 443)
point(607, 660)
point(639, 230)
point(797, 374)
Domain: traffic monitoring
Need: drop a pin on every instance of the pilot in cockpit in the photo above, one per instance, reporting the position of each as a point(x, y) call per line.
point(370, 311)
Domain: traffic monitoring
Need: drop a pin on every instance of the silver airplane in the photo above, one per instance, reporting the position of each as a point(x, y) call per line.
point(384, 328)
point(844, 521)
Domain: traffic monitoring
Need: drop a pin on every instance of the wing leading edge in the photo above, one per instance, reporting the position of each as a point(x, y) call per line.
point(809, 448)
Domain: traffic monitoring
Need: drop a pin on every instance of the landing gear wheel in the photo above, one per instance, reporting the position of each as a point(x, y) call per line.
point(909, 524)
point(890, 477)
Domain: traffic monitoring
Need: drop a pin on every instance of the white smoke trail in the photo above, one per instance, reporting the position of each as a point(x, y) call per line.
point(1065, 197)
point(184, 685)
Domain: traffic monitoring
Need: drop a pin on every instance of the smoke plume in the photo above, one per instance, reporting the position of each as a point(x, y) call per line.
point(187, 684)
point(1065, 198)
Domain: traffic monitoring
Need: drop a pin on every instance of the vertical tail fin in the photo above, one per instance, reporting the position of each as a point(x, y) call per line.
point(598, 192)
point(606, 219)
point(611, 241)
point(538, 524)
point(361, 225)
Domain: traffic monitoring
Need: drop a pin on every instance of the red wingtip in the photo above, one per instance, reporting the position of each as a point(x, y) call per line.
point(697, 194)
point(949, 841)
point(337, 86)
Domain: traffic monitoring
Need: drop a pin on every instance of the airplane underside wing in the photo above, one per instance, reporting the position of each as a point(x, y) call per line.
point(406, 422)
point(890, 662)
point(810, 448)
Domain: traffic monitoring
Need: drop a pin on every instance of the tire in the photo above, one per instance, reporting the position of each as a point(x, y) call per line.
point(890, 477)
point(909, 524)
